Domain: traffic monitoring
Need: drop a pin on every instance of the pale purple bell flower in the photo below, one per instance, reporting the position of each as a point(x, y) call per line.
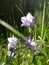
point(28, 20)
point(13, 41)
point(31, 44)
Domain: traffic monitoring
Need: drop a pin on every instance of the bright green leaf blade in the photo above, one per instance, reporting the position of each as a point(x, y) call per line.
point(12, 29)
point(43, 20)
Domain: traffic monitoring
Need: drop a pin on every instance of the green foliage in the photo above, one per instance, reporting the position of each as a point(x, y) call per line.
point(11, 12)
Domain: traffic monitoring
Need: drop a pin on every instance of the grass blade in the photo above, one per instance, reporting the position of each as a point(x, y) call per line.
point(12, 29)
point(43, 21)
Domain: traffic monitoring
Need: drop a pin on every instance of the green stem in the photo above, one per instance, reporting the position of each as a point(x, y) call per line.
point(19, 9)
point(35, 37)
point(45, 54)
point(35, 33)
point(44, 34)
point(29, 30)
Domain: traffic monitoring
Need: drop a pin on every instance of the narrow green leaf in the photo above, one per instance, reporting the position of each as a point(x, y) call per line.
point(43, 20)
point(12, 29)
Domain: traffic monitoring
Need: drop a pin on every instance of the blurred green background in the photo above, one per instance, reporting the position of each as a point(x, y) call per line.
point(11, 13)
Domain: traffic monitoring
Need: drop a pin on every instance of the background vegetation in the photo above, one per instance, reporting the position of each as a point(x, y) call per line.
point(11, 12)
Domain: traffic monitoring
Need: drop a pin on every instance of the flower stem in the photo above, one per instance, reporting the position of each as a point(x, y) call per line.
point(29, 30)
point(35, 33)
point(35, 37)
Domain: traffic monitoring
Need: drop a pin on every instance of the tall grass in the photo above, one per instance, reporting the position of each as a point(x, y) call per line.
point(22, 57)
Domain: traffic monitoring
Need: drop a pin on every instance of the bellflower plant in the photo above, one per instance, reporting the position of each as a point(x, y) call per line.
point(12, 45)
point(12, 42)
point(28, 20)
point(31, 44)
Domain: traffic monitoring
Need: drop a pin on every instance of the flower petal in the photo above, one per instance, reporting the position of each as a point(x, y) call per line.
point(29, 17)
point(23, 19)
